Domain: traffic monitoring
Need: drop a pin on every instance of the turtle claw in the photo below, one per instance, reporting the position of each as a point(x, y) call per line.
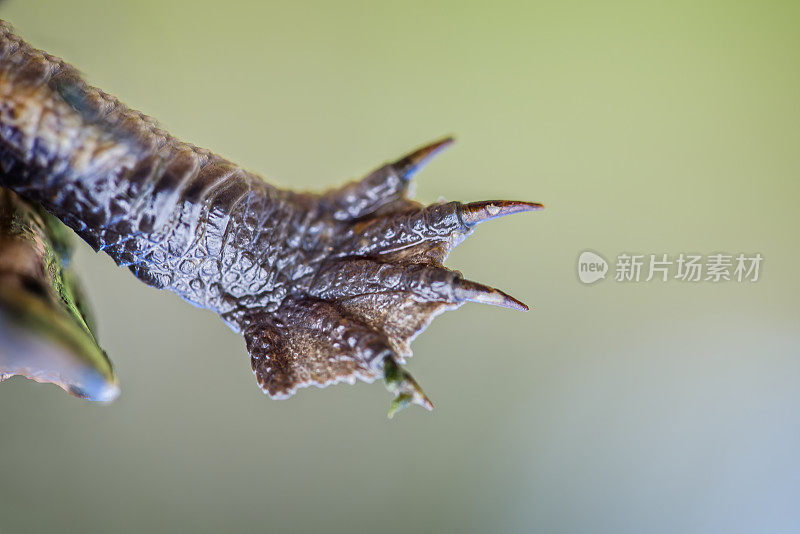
point(478, 212)
point(476, 292)
point(407, 166)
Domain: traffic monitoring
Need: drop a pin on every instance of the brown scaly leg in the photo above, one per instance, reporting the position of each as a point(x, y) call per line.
point(326, 287)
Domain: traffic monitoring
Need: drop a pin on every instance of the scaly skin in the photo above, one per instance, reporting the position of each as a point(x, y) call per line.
point(325, 287)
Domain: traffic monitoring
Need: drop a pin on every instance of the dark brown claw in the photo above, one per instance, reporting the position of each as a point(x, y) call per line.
point(411, 164)
point(475, 292)
point(385, 188)
point(478, 212)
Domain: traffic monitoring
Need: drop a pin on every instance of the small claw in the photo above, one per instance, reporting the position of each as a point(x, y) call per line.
point(405, 388)
point(478, 212)
point(475, 292)
point(410, 164)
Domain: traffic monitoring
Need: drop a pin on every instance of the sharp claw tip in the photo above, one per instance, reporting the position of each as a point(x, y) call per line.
point(478, 212)
point(475, 292)
point(514, 304)
point(412, 163)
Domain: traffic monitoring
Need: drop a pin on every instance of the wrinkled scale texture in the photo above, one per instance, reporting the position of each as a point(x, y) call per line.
point(325, 287)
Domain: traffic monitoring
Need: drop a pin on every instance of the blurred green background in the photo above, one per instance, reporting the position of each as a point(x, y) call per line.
point(644, 127)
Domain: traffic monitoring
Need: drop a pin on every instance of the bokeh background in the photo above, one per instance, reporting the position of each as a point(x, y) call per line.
point(654, 407)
